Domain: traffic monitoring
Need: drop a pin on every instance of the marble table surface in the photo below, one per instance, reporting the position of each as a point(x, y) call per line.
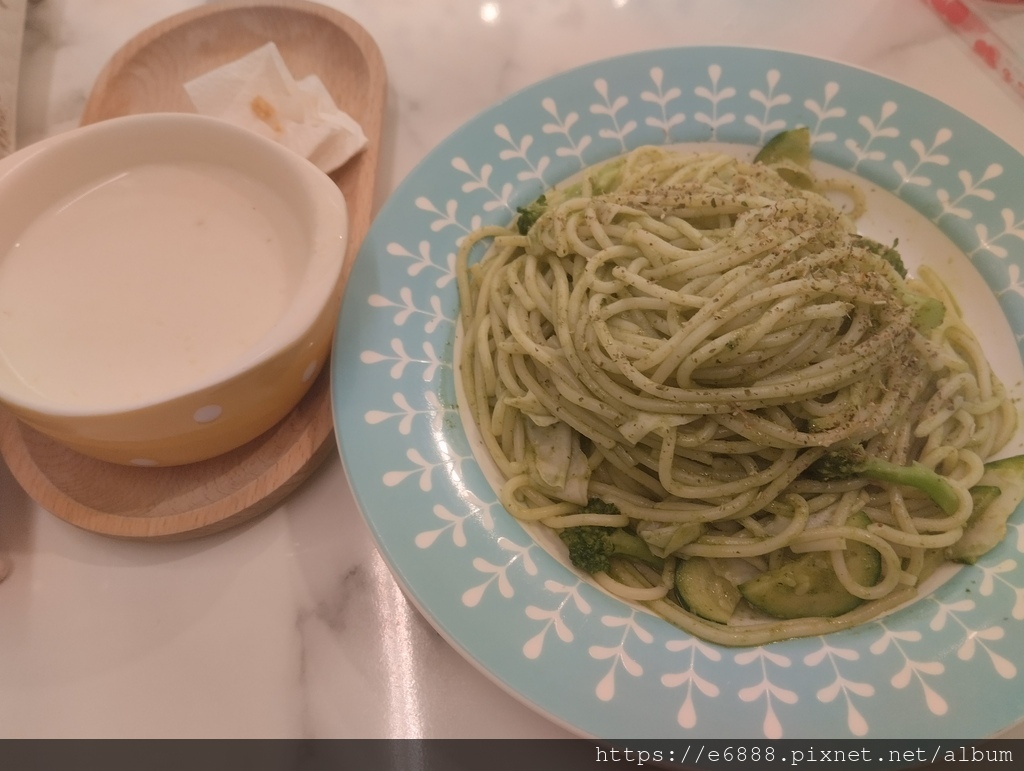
point(292, 625)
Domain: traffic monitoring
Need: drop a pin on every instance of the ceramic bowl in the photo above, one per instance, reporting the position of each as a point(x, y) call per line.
point(216, 319)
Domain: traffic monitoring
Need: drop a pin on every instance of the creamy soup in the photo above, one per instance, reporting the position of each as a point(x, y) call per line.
point(145, 283)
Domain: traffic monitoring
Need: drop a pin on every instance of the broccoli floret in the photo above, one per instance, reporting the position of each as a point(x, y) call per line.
point(529, 214)
point(887, 253)
point(602, 179)
point(598, 506)
point(591, 547)
point(855, 461)
point(928, 312)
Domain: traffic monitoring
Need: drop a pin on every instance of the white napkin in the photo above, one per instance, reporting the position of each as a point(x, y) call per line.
point(259, 93)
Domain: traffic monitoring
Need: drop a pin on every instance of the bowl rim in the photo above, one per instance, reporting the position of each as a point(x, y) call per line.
point(314, 294)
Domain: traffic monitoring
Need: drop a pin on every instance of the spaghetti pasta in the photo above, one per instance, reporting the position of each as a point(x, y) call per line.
point(678, 341)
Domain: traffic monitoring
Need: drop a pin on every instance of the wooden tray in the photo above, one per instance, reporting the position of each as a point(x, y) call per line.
point(146, 75)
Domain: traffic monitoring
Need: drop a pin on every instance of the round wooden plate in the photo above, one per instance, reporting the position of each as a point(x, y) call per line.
point(147, 75)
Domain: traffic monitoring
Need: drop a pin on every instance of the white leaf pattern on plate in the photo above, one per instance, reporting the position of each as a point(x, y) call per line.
point(619, 653)
point(713, 120)
point(910, 176)
point(402, 359)
point(766, 689)
point(1012, 227)
point(824, 111)
point(875, 131)
point(553, 618)
point(855, 720)
point(765, 125)
point(423, 260)
point(687, 715)
point(662, 97)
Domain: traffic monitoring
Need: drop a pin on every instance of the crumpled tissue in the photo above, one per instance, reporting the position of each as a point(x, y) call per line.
point(259, 93)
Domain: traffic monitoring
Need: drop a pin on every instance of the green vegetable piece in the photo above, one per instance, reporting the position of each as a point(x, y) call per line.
point(790, 152)
point(808, 585)
point(602, 179)
point(598, 506)
point(591, 547)
point(529, 214)
point(704, 592)
point(790, 145)
point(996, 497)
point(928, 311)
point(854, 461)
point(607, 176)
point(887, 253)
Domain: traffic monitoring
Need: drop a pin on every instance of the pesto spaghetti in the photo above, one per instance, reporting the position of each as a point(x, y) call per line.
point(665, 361)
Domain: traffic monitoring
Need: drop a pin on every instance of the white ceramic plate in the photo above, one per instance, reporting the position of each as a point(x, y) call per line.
point(594, 664)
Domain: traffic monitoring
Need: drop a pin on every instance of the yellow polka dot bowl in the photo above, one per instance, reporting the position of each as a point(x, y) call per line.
point(169, 286)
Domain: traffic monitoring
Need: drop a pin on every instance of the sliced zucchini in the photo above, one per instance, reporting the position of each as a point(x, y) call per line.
point(704, 592)
point(996, 497)
point(790, 145)
point(790, 153)
point(808, 585)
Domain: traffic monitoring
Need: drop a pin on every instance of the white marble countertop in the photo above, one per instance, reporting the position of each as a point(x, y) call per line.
point(292, 626)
